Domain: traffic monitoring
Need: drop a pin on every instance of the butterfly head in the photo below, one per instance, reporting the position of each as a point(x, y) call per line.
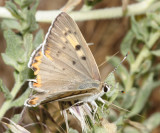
point(105, 88)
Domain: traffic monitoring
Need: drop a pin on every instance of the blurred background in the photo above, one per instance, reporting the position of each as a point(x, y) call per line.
point(107, 36)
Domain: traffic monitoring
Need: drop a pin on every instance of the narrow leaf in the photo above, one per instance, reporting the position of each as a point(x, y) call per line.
point(13, 9)
point(126, 46)
point(156, 52)
point(152, 122)
point(15, 128)
point(28, 46)
point(143, 95)
point(14, 45)
point(38, 39)
point(10, 24)
point(5, 91)
point(20, 101)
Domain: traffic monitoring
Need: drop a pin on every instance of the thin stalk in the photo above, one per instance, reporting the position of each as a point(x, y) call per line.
point(82, 15)
point(8, 103)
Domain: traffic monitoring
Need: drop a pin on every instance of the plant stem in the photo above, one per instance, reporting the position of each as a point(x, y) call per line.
point(8, 104)
point(4, 108)
point(106, 13)
point(142, 55)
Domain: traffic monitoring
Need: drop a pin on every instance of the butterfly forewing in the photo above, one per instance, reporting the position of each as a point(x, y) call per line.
point(66, 35)
point(64, 65)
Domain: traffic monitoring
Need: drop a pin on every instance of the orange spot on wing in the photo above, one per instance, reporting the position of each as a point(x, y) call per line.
point(37, 63)
point(36, 84)
point(36, 72)
point(38, 79)
point(33, 101)
point(47, 52)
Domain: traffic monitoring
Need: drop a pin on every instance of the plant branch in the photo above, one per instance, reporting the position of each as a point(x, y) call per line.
point(106, 13)
point(8, 103)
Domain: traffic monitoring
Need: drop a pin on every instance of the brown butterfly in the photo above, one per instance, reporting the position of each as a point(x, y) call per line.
point(64, 66)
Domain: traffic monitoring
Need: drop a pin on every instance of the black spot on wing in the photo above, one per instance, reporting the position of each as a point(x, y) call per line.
point(73, 62)
point(78, 47)
point(35, 61)
point(69, 31)
point(66, 42)
point(34, 69)
point(83, 58)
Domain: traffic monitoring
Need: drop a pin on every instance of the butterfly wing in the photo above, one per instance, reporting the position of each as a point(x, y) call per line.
point(65, 33)
point(63, 64)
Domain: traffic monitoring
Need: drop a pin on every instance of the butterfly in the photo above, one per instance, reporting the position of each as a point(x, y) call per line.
point(65, 68)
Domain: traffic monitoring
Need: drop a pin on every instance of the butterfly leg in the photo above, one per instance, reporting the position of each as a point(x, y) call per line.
point(95, 106)
point(101, 100)
point(66, 119)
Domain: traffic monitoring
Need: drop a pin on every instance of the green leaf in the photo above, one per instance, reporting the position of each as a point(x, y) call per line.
point(126, 46)
point(14, 45)
point(72, 130)
point(100, 129)
point(156, 52)
point(143, 95)
point(14, 51)
point(140, 29)
point(154, 20)
point(31, 22)
point(26, 73)
point(26, 3)
point(34, 7)
point(10, 61)
point(153, 37)
point(16, 118)
point(38, 39)
point(144, 54)
point(18, 2)
point(155, 69)
point(10, 24)
point(13, 10)
point(92, 2)
point(129, 98)
point(113, 93)
point(20, 100)
point(110, 80)
point(145, 66)
point(5, 91)
point(30, 25)
point(130, 129)
point(28, 46)
point(152, 122)
point(120, 121)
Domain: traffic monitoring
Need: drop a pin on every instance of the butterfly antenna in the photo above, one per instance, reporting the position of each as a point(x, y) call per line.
point(108, 60)
point(117, 66)
point(118, 107)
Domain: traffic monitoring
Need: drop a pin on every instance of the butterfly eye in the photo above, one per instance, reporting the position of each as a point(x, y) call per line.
point(106, 88)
